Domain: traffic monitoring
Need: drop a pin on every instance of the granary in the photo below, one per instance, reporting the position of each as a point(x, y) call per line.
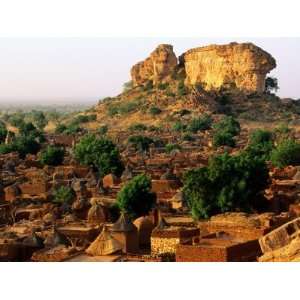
point(97, 213)
point(218, 247)
point(165, 238)
point(144, 226)
point(125, 232)
point(104, 244)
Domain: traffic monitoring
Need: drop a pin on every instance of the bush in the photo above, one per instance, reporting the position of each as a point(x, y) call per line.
point(162, 86)
point(286, 153)
point(60, 128)
point(127, 86)
point(140, 142)
point(179, 126)
point(100, 153)
point(137, 127)
point(225, 131)
point(170, 147)
point(181, 89)
point(228, 183)
point(63, 195)
point(136, 198)
point(3, 132)
point(188, 138)
point(39, 119)
point(229, 124)
point(154, 111)
point(271, 84)
point(103, 129)
point(223, 138)
point(148, 86)
point(201, 123)
point(260, 144)
point(52, 156)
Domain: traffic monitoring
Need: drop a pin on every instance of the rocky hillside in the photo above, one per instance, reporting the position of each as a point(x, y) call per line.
point(216, 79)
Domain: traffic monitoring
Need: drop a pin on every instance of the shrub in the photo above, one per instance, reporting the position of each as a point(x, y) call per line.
point(271, 84)
point(225, 131)
point(181, 89)
point(148, 86)
point(201, 123)
point(223, 138)
point(137, 127)
point(52, 156)
point(260, 144)
point(103, 129)
point(60, 128)
point(162, 86)
point(136, 198)
point(179, 126)
point(39, 119)
point(3, 132)
point(184, 112)
point(286, 153)
point(188, 138)
point(154, 110)
point(100, 153)
point(127, 86)
point(140, 142)
point(228, 183)
point(229, 124)
point(170, 147)
point(63, 195)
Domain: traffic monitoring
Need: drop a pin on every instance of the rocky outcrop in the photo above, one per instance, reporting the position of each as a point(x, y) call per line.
point(242, 66)
point(157, 67)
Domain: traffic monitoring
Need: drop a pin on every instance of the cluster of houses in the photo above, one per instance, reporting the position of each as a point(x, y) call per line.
point(33, 228)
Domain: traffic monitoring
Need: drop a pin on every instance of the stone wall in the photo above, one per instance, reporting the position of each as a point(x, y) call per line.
point(163, 245)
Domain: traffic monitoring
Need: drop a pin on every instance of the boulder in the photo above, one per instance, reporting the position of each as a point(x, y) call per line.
point(242, 66)
point(156, 68)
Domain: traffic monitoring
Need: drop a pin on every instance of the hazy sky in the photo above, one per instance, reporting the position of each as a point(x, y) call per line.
point(47, 69)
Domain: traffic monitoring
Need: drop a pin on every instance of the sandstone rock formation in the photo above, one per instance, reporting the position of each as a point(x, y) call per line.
point(243, 66)
point(240, 66)
point(156, 67)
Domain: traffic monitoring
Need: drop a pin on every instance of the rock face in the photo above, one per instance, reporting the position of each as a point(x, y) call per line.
point(157, 67)
point(242, 66)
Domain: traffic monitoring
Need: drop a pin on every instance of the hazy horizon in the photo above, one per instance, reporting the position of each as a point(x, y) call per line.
point(83, 70)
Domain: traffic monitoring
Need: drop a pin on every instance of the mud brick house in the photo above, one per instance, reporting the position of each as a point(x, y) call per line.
point(165, 189)
point(125, 232)
point(243, 226)
point(144, 226)
point(79, 233)
point(281, 236)
point(218, 247)
point(165, 238)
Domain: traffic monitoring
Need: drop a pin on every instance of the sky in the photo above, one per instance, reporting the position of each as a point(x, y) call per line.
point(48, 70)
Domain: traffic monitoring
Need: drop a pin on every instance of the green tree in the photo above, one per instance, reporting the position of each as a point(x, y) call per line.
point(63, 195)
point(3, 132)
point(154, 110)
point(271, 84)
point(228, 183)
point(140, 142)
point(39, 120)
point(136, 198)
point(100, 153)
point(200, 124)
point(52, 156)
point(286, 153)
point(225, 131)
point(260, 144)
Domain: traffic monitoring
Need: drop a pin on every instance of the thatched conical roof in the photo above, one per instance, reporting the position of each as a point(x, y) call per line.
point(123, 224)
point(104, 244)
